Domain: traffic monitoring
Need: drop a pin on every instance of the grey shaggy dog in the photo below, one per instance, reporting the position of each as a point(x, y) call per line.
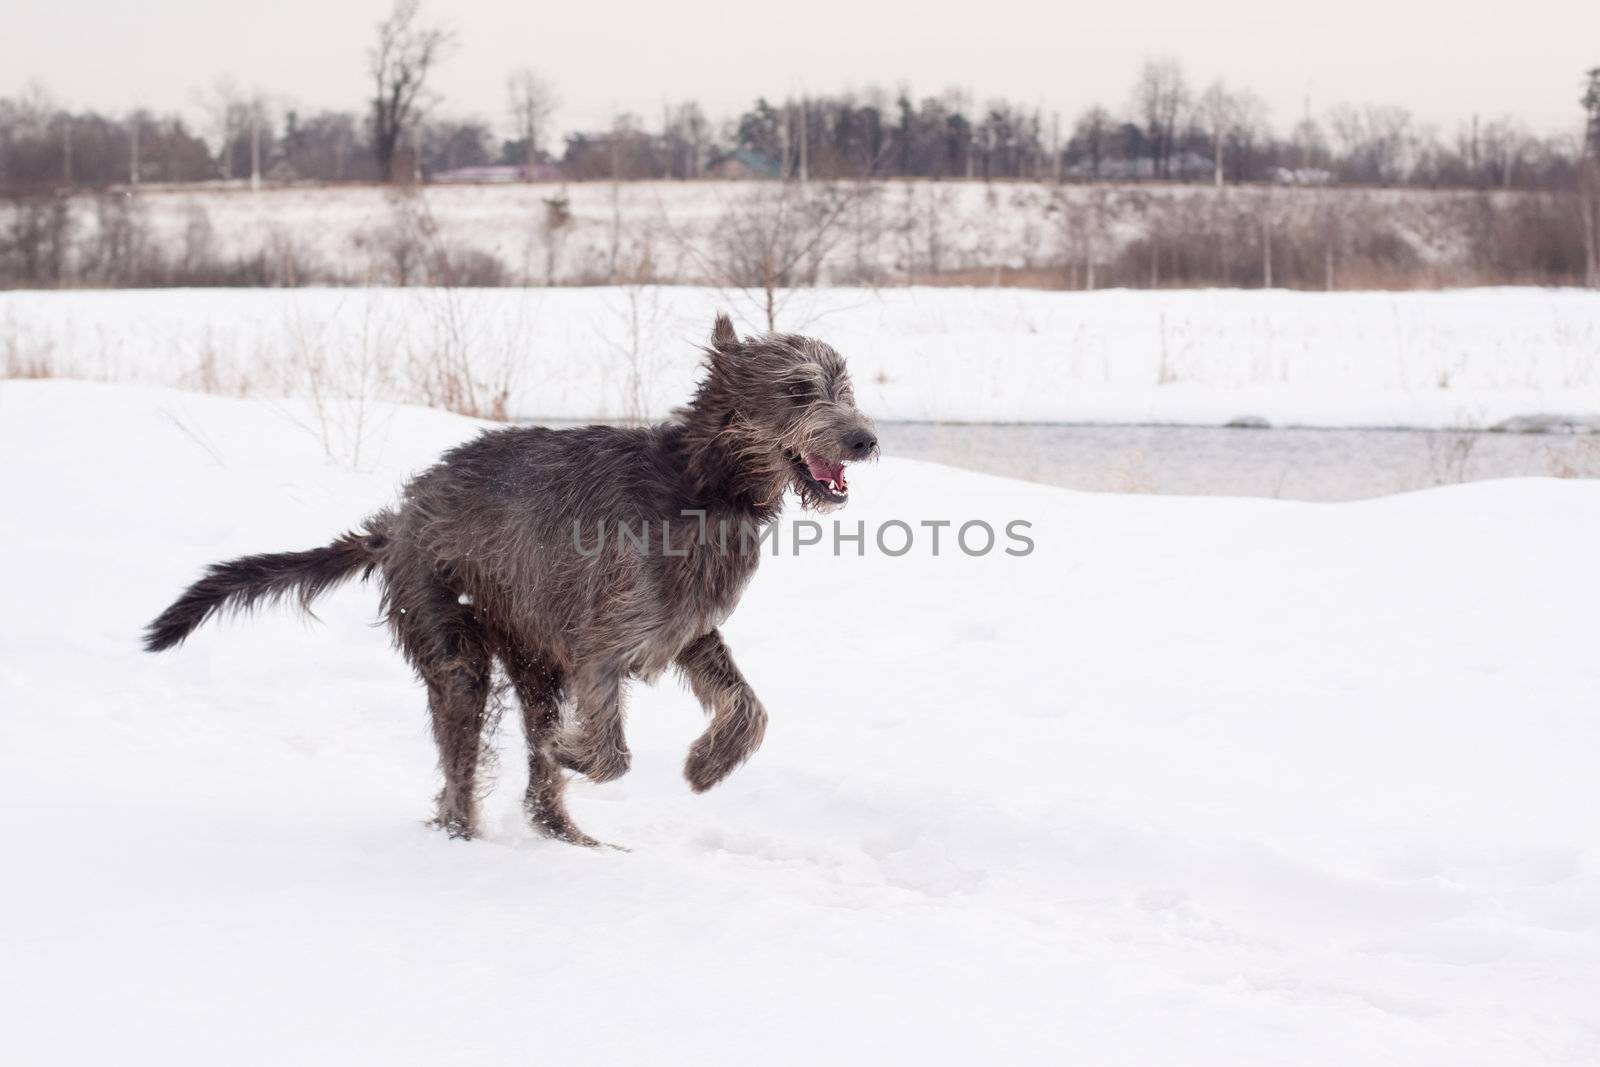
point(581, 559)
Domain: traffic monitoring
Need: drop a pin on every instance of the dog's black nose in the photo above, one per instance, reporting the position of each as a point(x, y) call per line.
point(860, 442)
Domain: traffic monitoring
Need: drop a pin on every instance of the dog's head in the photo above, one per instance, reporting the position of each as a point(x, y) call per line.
point(790, 411)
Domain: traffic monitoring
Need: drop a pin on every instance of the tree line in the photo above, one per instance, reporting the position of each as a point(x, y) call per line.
point(1165, 129)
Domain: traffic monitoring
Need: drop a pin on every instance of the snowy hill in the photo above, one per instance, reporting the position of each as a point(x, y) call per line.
point(1195, 781)
point(1467, 359)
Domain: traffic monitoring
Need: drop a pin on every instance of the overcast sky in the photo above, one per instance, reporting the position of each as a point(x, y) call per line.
point(1446, 61)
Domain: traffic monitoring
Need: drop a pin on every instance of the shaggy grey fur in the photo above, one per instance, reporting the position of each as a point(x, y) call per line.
point(523, 547)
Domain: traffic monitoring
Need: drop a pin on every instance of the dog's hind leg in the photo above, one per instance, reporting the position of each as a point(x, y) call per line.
point(738, 721)
point(450, 652)
point(457, 695)
point(538, 686)
point(595, 745)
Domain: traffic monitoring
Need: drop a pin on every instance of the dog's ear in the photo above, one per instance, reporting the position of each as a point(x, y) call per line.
point(723, 339)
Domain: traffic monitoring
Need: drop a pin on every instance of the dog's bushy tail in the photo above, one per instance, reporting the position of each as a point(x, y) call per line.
point(240, 584)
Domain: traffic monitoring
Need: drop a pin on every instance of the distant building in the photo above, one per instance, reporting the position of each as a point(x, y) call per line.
point(744, 164)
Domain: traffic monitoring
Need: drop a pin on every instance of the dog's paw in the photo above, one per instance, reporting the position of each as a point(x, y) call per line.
point(455, 827)
point(722, 748)
point(603, 762)
point(558, 826)
point(709, 763)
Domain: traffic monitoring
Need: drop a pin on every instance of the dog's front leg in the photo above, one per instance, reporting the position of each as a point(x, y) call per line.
point(738, 721)
point(595, 746)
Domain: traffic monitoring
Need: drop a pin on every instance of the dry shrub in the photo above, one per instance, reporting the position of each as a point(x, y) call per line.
point(17, 365)
point(36, 235)
point(1528, 239)
point(772, 236)
point(458, 365)
point(409, 249)
point(22, 358)
point(1249, 237)
point(212, 374)
point(343, 388)
point(106, 239)
point(459, 266)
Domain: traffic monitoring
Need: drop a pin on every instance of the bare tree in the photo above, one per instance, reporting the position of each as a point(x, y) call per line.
point(238, 121)
point(223, 104)
point(533, 101)
point(1092, 137)
point(257, 121)
point(1589, 215)
point(1589, 178)
point(1590, 102)
point(1249, 133)
point(64, 123)
point(557, 220)
point(1504, 145)
point(1235, 120)
point(686, 134)
point(1309, 143)
point(1160, 98)
point(399, 64)
point(771, 238)
point(136, 119)
point(1374, 140)
point(1217, 110)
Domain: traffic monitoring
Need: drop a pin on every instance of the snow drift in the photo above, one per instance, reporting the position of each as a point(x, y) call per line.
point(1194, 781)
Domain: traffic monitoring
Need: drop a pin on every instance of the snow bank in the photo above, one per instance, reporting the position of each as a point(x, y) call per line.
point(1460, 359)
point(1196, 781)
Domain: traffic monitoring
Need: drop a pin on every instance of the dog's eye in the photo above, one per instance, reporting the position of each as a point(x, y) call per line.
point(799, 392)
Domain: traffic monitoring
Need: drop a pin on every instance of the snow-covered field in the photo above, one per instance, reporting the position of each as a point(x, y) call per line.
point(1461, 359)
point(891, 233)
point(1196, 781)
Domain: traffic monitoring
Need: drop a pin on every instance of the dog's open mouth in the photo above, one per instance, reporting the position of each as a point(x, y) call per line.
point(826, 476)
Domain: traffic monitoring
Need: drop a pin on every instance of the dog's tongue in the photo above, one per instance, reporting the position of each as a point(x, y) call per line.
point(825, 472)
